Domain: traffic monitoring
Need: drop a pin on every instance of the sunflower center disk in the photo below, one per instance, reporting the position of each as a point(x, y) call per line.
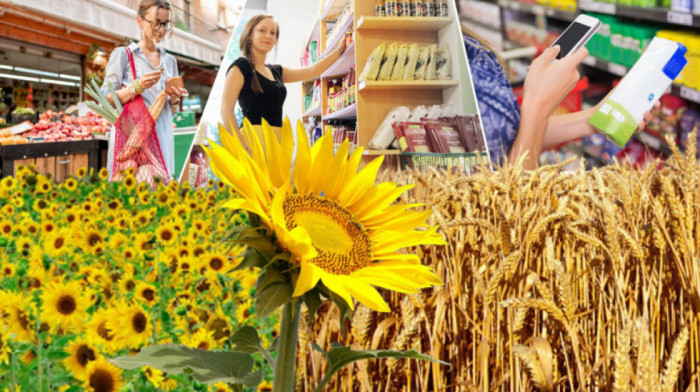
point(343, 245)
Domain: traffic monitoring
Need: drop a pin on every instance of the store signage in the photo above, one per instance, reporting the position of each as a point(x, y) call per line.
point(681, 18)
point(690, 94)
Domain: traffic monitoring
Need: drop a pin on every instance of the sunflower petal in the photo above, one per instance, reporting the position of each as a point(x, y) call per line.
point(308, 278)
point(335, 284)
point(366, 294)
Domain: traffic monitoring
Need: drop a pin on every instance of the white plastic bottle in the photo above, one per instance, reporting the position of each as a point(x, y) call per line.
point(639, 90)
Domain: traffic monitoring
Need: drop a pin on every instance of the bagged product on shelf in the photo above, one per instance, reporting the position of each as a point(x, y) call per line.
point(388, 62)
point(372, 65)
point(412, 137)
point(400, 63)
point(442, 64)
point(417, 113)
point(448, 110)
point(385, 133)
point(639, 90)
point(422, 63)
point(411, 61)
point(313, 52)
point(430, 68)
point(446, 137)
point(435, 112)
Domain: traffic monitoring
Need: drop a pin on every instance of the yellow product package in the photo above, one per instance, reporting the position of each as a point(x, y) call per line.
point(411, 61)
point(371, 69)
point(400, 63)
point(388, 62)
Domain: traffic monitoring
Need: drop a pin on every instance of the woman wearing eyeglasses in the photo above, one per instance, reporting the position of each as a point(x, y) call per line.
point(152, 67)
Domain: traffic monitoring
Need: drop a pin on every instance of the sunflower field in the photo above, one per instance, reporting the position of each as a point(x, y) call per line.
point(90, 270)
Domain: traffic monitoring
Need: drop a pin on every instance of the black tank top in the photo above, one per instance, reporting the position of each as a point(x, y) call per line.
point(267, 105)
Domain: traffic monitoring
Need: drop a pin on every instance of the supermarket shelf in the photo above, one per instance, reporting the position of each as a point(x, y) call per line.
point(342, 66)
point(653, 142)
point(313, 112)
point(684, 92)
point(537, 9)
point(403, 23)
point(593, 156)
point(315, 32)
point(343, 114)
point(343, 29)
point(381, 152)
point(408, 85)
point(613, 68)
point(333, 9)
point(310, 80)
point(652, 14)
point(474, 22)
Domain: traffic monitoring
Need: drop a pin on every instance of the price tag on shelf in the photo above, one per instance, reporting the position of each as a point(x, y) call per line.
point(617, 69)
point(595, 6)
point(538, 10)
point(590, 61)
point(681, 18)
point(690, 94)
point(650, 140)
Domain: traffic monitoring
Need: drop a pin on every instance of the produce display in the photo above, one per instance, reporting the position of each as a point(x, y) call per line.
point(55, 127)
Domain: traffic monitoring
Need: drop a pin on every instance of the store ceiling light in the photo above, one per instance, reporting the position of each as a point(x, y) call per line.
point(9, 67)
point(60, 82)
point(69, 77)
point(10, 76)
point(36, 72)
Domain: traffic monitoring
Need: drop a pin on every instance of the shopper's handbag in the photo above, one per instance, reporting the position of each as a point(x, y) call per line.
point(136, 144)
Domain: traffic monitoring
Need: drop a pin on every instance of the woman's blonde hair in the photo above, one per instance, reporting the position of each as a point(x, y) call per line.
point(246, 46)
point(145, 5)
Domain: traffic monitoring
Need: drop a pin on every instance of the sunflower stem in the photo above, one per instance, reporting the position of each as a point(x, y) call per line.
point(285, 364)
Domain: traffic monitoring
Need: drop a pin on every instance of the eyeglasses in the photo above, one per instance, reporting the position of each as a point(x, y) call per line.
point(167, 26)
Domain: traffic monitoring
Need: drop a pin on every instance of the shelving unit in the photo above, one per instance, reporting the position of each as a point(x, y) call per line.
point(374, 99)
point(347, 113)
point(536, 9)
point(343, 65)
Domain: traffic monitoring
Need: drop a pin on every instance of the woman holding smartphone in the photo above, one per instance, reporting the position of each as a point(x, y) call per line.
point(152, 65)
point(259, 87)
point(513, 131)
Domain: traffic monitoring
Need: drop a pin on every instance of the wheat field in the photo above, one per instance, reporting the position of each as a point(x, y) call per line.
point(554, 281)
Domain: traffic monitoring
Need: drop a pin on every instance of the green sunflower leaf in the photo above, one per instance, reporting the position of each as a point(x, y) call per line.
point(271, 297)
point(247, 340)
point(313, 301)
point(204, 366)
point(251, 259)
point(340, 356)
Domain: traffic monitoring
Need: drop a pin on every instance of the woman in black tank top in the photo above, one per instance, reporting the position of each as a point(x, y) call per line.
point(259, 87)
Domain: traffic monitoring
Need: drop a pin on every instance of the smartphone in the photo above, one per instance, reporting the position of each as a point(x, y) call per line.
point(577, 34)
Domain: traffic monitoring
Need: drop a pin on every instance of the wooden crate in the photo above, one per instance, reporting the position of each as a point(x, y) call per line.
point(60, 160)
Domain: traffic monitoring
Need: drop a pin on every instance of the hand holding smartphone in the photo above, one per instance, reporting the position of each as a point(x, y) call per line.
point(576, 35)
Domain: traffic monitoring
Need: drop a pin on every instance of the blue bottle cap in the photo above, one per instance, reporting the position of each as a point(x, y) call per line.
point(675, 64)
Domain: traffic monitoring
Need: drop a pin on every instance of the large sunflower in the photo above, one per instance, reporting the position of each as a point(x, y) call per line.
point(131, 325)
point(82, 351)
point(64, 305)
point(102, 376)
point(340, 228)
